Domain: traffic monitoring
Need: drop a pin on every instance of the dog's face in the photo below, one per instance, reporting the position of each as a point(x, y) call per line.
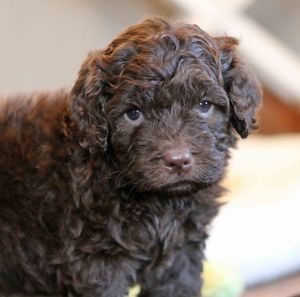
point(162, 102)
point(170, 136)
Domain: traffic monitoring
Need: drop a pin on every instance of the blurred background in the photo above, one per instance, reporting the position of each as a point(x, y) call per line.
point(43, 43)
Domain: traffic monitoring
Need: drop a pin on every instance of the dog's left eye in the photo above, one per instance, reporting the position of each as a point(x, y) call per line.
point(204, 106)
point(134, 115)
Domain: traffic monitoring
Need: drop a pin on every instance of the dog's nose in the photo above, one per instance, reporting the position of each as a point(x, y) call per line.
point(178, 160)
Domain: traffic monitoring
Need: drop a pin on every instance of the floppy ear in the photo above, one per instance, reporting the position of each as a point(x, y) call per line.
point(242, 87)
point(87, 104)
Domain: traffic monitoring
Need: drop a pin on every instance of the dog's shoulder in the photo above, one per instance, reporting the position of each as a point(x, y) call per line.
point(32, 127)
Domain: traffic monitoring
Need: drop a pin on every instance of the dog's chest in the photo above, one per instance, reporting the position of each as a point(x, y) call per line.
point(156, 235)
point(155, 230)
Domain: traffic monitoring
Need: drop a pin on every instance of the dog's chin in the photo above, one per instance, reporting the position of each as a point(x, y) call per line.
point(179, 189)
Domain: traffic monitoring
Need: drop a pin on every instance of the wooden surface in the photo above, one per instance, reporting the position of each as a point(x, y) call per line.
point(278, 115)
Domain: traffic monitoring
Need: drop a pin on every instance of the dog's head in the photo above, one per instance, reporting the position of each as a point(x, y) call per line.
point(163, 103)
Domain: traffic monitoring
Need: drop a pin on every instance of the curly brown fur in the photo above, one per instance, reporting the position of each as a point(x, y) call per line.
point(90, 202)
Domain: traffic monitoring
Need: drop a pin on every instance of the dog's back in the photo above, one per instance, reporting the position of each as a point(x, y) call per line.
point(32, 157)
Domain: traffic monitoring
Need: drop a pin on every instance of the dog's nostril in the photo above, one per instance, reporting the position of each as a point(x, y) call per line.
point(178, 160)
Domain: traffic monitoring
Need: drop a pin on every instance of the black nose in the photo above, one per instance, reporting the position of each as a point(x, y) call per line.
point(178, 160)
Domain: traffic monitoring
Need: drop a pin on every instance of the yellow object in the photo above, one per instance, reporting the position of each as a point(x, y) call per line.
point(221, 280)
point(134, 291)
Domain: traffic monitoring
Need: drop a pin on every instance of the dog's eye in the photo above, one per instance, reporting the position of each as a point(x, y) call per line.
point(134, 115)
point(204, 106)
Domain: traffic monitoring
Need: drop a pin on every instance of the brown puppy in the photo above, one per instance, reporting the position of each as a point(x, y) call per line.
point(116, 182)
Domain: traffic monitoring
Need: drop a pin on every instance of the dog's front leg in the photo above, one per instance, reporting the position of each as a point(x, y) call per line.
point(181, 279)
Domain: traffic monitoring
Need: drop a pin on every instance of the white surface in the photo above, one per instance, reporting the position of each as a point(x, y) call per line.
point(263, 241)
point(258, 230)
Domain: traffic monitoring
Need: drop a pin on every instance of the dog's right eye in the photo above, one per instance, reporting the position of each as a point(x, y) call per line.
point(134, 115)
point(205, 106)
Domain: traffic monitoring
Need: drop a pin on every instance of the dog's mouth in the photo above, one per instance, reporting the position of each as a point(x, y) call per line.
point(182, 188)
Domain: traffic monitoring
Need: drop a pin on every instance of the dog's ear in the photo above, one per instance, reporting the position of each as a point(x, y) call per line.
point(242, 87)
point(88, 103)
